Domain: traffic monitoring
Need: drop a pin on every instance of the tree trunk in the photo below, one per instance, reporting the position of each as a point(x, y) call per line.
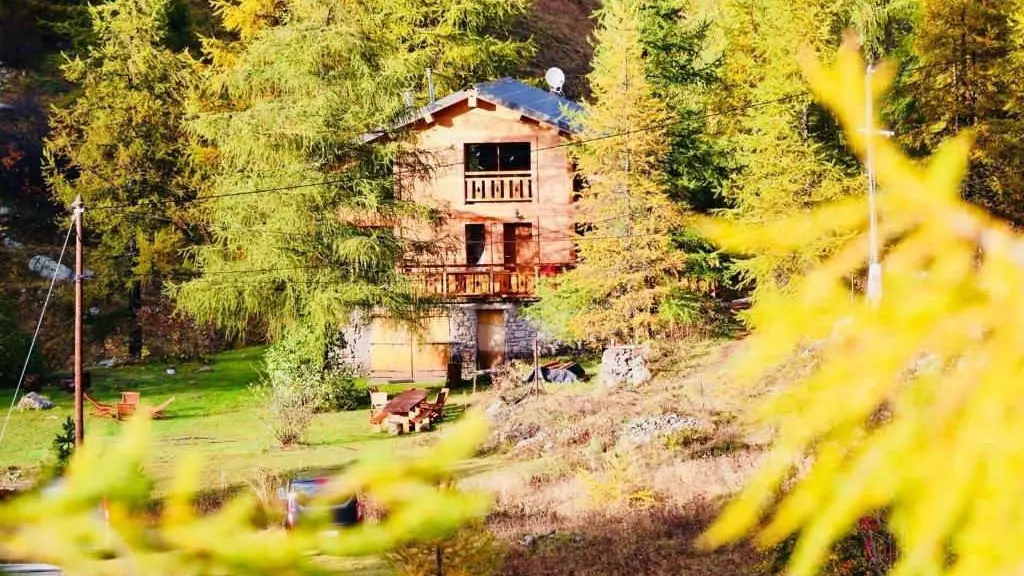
point(134, 304)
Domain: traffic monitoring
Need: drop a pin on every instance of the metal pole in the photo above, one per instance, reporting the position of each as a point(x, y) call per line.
point(874, 288)
point(78, 208)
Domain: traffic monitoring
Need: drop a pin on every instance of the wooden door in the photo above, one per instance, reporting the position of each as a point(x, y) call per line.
point(431, 348)
point(490, 338)
point(519, 246)
point(402, 352)
point(390, 350)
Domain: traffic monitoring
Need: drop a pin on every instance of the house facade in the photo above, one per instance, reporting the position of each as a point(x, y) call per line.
point(501, 173)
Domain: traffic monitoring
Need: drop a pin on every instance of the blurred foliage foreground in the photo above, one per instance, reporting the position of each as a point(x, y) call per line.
point(914, 409)
point(68, 529)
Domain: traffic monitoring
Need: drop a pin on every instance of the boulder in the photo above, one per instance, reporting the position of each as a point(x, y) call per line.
point(48, 268)
point(34, 401)
point(624, 365)
point(498, 411)
point(642, 430)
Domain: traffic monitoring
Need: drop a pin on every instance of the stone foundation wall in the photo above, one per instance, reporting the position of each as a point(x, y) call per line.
point(519, 335)
point(464, 336)
point(353, 347)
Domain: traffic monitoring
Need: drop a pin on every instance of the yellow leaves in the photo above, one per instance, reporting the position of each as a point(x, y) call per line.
point(913, 407)
point(68, 528)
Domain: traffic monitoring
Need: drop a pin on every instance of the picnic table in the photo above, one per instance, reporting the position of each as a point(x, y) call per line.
point(402, 407)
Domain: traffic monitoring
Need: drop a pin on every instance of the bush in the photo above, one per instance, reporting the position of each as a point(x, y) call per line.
point(339, 391)
point(64, 445)
point(290, 403)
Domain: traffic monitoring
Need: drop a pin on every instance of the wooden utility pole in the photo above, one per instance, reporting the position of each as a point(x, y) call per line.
point(536, 364)
point(78, 208)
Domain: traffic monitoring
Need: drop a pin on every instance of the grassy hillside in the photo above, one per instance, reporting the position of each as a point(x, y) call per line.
point(213, 415)
point(562, 29)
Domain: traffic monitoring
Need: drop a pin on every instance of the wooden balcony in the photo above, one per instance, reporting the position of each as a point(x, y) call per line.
point(498, 187)
point(497, 281)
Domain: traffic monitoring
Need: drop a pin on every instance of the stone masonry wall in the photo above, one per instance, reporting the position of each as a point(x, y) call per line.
point(464, 336)
point(519, 335)
point(353, 347)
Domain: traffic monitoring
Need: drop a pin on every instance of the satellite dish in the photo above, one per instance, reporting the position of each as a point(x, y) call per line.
point(556, 79)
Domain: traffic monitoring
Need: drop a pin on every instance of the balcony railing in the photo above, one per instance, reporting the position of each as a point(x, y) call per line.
point(481, 281)
point(498, 187)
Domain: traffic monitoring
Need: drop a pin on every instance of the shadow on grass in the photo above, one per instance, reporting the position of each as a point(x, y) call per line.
point(650, 542)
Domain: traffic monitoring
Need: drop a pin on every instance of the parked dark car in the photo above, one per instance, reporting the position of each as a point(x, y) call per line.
point(300, 491)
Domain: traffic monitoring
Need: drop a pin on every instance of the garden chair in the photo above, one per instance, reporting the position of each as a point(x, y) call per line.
point(158, 412)
point(131, 398)
point(378, 400)
point(422, 420)
point(435, 410)
point(99, 408)
point(125, 410)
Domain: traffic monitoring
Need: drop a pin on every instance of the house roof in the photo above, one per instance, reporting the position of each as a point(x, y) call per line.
point(531, 102)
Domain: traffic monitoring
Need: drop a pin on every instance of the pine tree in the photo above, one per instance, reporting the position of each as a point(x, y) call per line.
point(121, 142)
point(684, 73)
point(288, 103)
point(627, 263)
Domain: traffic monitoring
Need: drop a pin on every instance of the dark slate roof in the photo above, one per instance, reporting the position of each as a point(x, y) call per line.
point(512, 94)
point(531, 102)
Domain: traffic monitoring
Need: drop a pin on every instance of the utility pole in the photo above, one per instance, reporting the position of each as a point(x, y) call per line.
point(874, 288)
point(78, 208)
point(536, 364)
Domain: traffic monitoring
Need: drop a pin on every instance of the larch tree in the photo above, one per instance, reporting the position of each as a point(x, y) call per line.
point(894, 388)
point(784, 156)
point(121, 145)
point(627, 265)
point(287, 103)
point(965, 78)
point(788, 154)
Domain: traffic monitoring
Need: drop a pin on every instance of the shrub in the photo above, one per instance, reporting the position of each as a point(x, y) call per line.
point(339, 391)
point(64, 445)
point(264, 486)
point(617, 486)
point(290, 403)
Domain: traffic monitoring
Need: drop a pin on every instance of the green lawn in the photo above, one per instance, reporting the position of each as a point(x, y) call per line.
point(213, 415)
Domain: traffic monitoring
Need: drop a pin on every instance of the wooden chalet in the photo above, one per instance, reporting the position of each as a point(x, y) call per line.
point(503, 176)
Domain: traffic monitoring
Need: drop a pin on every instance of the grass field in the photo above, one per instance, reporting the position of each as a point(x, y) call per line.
point(213, 414)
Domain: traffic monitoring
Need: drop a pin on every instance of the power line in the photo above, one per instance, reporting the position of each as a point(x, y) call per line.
point(327, 182)
point(35, 335)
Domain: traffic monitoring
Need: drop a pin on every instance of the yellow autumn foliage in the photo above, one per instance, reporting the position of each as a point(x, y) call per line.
point(66, 529)
point(914, 408)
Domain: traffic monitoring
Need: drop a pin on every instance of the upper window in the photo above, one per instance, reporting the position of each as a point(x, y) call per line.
point(501, 157)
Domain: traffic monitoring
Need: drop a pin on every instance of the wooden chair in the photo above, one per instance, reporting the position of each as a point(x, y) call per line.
point(435, 410)
point(421, 421)
point(378, 400)
point(125, 410)
point(130, 398)
point(158, 412)
point(99, 408)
